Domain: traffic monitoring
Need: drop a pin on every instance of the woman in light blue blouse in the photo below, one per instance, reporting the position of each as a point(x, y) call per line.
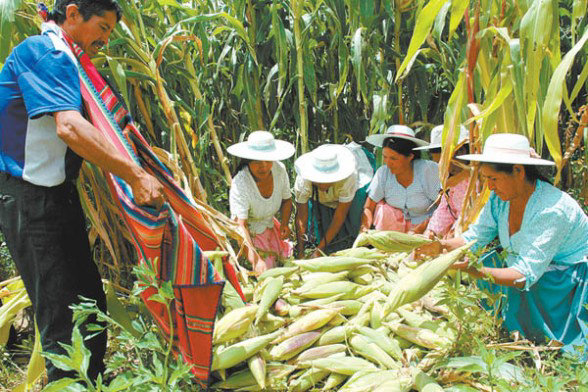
point(403, 192)
point(544, 235)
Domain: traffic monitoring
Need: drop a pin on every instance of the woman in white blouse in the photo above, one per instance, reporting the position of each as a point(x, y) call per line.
point(260, 189)
point(328, 199)
point(404, 189)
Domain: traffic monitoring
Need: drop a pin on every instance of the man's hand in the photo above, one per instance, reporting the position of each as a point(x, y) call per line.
point(147, 190)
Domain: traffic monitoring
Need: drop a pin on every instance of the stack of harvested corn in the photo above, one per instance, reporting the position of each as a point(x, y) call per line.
point(354, 321)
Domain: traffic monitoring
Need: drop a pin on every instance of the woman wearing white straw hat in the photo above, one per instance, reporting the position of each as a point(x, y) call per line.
point(329, 201)
point(404, 189)
point(445, 216)
point(544, 233)
point(260, 189)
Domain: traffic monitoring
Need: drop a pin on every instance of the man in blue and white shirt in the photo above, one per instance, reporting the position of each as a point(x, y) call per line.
point(43, 140)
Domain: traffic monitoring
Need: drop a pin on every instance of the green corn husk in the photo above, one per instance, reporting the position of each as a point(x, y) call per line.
point(257, 366)
point(421, 336)
point(320, 352)
point(364, 279)
point(307, 379)
point(349, 290)
point(348, 307)
point(372, 352)
point(321, 302)
point(368, 380)
point(424, 383)
point(343, 365)
point(269, 296)
point(366, 269)
point(376, 315)
point(336, 335)
point(362, 253)
point(234, 324)
point(291, 347)
point(419, 282)
point(402, 385)
point(325, 277)
point(333, 381)
point(278, 271)
point(277, 371)
point(390, 346)
point(240, 352)
point(270, 323)
point(390, 241)
point(309, 322)
point(240, 379)
point(331, 264)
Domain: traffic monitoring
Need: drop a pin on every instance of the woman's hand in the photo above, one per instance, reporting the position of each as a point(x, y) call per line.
point(463, 265)
point(431, 249)
point(284, 232)
point(317, 253)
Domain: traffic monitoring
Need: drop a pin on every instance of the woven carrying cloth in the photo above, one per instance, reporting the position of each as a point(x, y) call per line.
point(175, 235)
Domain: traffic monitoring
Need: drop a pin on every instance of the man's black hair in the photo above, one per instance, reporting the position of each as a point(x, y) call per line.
point(88, 8)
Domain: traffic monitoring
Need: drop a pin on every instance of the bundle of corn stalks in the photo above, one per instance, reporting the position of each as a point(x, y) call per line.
point(358, 320)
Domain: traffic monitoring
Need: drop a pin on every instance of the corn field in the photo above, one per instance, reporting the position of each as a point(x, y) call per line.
point(199, 75)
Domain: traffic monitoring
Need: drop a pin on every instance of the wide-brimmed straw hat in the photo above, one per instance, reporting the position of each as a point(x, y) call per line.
point(507, 148)
point(395, 131)
point(262, 146)
point(437, 137)
point(325, 164)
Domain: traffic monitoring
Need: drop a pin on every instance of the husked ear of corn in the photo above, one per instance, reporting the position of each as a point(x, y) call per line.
point(240, 352)
point(257, 366)
point(372, 351)
point(390, 241)
point(240, 379)
point(308, 322)
point(234, 324)
point(362, 253)
point(307, 379)
point(343, 365)
point(278, 271)
point(421, 336)
point(333, 381)
point(320, 352)
point(331, 264)
point(420, 281)
point(269, 296)
point(350, 290)
point(390, 346)
point(294, 345)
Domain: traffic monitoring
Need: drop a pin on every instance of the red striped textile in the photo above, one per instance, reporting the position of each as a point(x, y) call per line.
point(174, 235)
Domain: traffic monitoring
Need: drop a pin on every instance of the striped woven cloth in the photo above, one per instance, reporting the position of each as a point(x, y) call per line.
point(175, 235)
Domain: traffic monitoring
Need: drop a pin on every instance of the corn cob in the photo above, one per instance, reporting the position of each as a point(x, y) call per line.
point(420, 281)
point(278, 271)
point(234, 324)
point(239, 352)
point(422, 337)
point(320, 352)
point(390, 241)
point(333, 381)
point(309, 322)
point(362, 253)
point(349, 289)
point(269, 296)
point(343, 365)
point(372, 352)
point(390, 346)
point(307, 379)
point(294, 345)
point(242, 378)
point(331, 264)
point(336, 335)
point(325, 278)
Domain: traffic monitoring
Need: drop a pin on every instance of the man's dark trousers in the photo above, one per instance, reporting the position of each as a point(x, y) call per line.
point(45, 231)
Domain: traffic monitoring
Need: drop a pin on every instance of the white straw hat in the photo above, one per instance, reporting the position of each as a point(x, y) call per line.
point(395, 131)
point(507, 148)
point(326, 164)
point(437, 137)
point(262, 146)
